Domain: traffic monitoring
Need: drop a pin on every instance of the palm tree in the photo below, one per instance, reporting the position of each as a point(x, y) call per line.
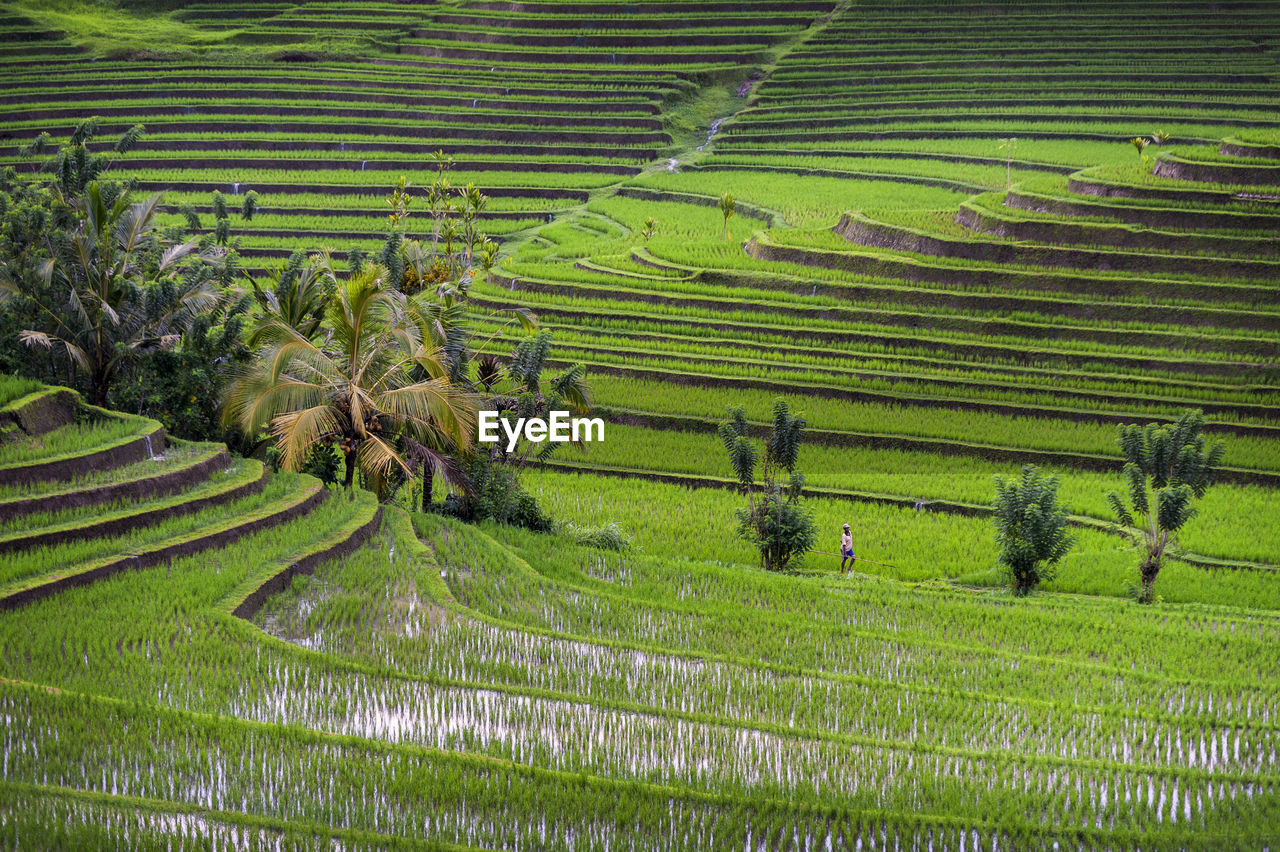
point(1167, 467)
point(727, 204)
point(528, 393)
point(97, 295)
point(297, 296)
point(377, 385)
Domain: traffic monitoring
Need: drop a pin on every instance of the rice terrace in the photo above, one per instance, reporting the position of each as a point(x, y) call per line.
point(926, 356)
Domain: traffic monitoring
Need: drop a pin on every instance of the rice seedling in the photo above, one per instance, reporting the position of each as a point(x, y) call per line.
point(73, 439)
point(15, 387)
point(22, 570)
point(178, 455)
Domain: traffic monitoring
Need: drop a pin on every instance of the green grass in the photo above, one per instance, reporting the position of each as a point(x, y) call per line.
point(72, 439)
point(673, 523)
point(979, 427)
point(14, 387)
point(689, 121)
point(803, 201)
point(106, 29)
point(1224, 527)
point(24, 569)
point(177, 454)
point(239, 473)
point(441, 672)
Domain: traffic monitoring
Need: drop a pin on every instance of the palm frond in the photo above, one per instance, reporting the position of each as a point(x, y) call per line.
point(296, 432)
point(378, 457)
point(174, 254)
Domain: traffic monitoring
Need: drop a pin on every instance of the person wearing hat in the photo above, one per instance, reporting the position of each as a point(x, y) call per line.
point(846, 548)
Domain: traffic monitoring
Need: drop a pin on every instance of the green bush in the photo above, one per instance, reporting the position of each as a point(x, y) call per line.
point(780, 528)
point(495, 495)
point(1031, 528)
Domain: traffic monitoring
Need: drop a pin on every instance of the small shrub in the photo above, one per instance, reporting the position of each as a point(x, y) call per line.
point(608, 537)
point(496, 495)
point(1030, 528)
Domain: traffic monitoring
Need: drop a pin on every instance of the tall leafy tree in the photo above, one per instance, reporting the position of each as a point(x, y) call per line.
point(1031, 529)
point(376, 386)
point(35, 218)
point(1167, 467)
point(111, 293)
point(294, 295)
point(73, 165)
point(33, 225)
point(439, 273)
point(776, 523)
point(735, 434)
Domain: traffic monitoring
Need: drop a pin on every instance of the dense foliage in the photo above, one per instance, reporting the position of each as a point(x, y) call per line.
point(1167, 468)
point(775, 520)
point(1031, 529)
point(101, 296)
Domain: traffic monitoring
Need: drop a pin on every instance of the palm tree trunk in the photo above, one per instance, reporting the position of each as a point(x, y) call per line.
point(428, 482)
point(1150, 569)
point(351, 470)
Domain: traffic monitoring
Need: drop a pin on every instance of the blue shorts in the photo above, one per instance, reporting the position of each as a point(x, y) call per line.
point(846, 553)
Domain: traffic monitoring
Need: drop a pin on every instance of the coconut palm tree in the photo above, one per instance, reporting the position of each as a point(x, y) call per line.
point(109, 295)
point(376, 385)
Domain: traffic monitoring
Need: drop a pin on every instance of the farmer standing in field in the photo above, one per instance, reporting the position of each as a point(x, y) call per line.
point(846, 548)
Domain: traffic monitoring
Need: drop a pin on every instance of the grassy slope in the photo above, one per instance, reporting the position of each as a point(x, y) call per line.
point(105, 28)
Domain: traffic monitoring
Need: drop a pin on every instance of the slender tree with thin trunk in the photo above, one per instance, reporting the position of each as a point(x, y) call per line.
point(776, 524)
point(1167, 468)
point(727, 204)
point(1008, 145)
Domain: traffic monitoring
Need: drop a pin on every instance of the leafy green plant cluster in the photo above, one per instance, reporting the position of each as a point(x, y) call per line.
point(774, 521)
